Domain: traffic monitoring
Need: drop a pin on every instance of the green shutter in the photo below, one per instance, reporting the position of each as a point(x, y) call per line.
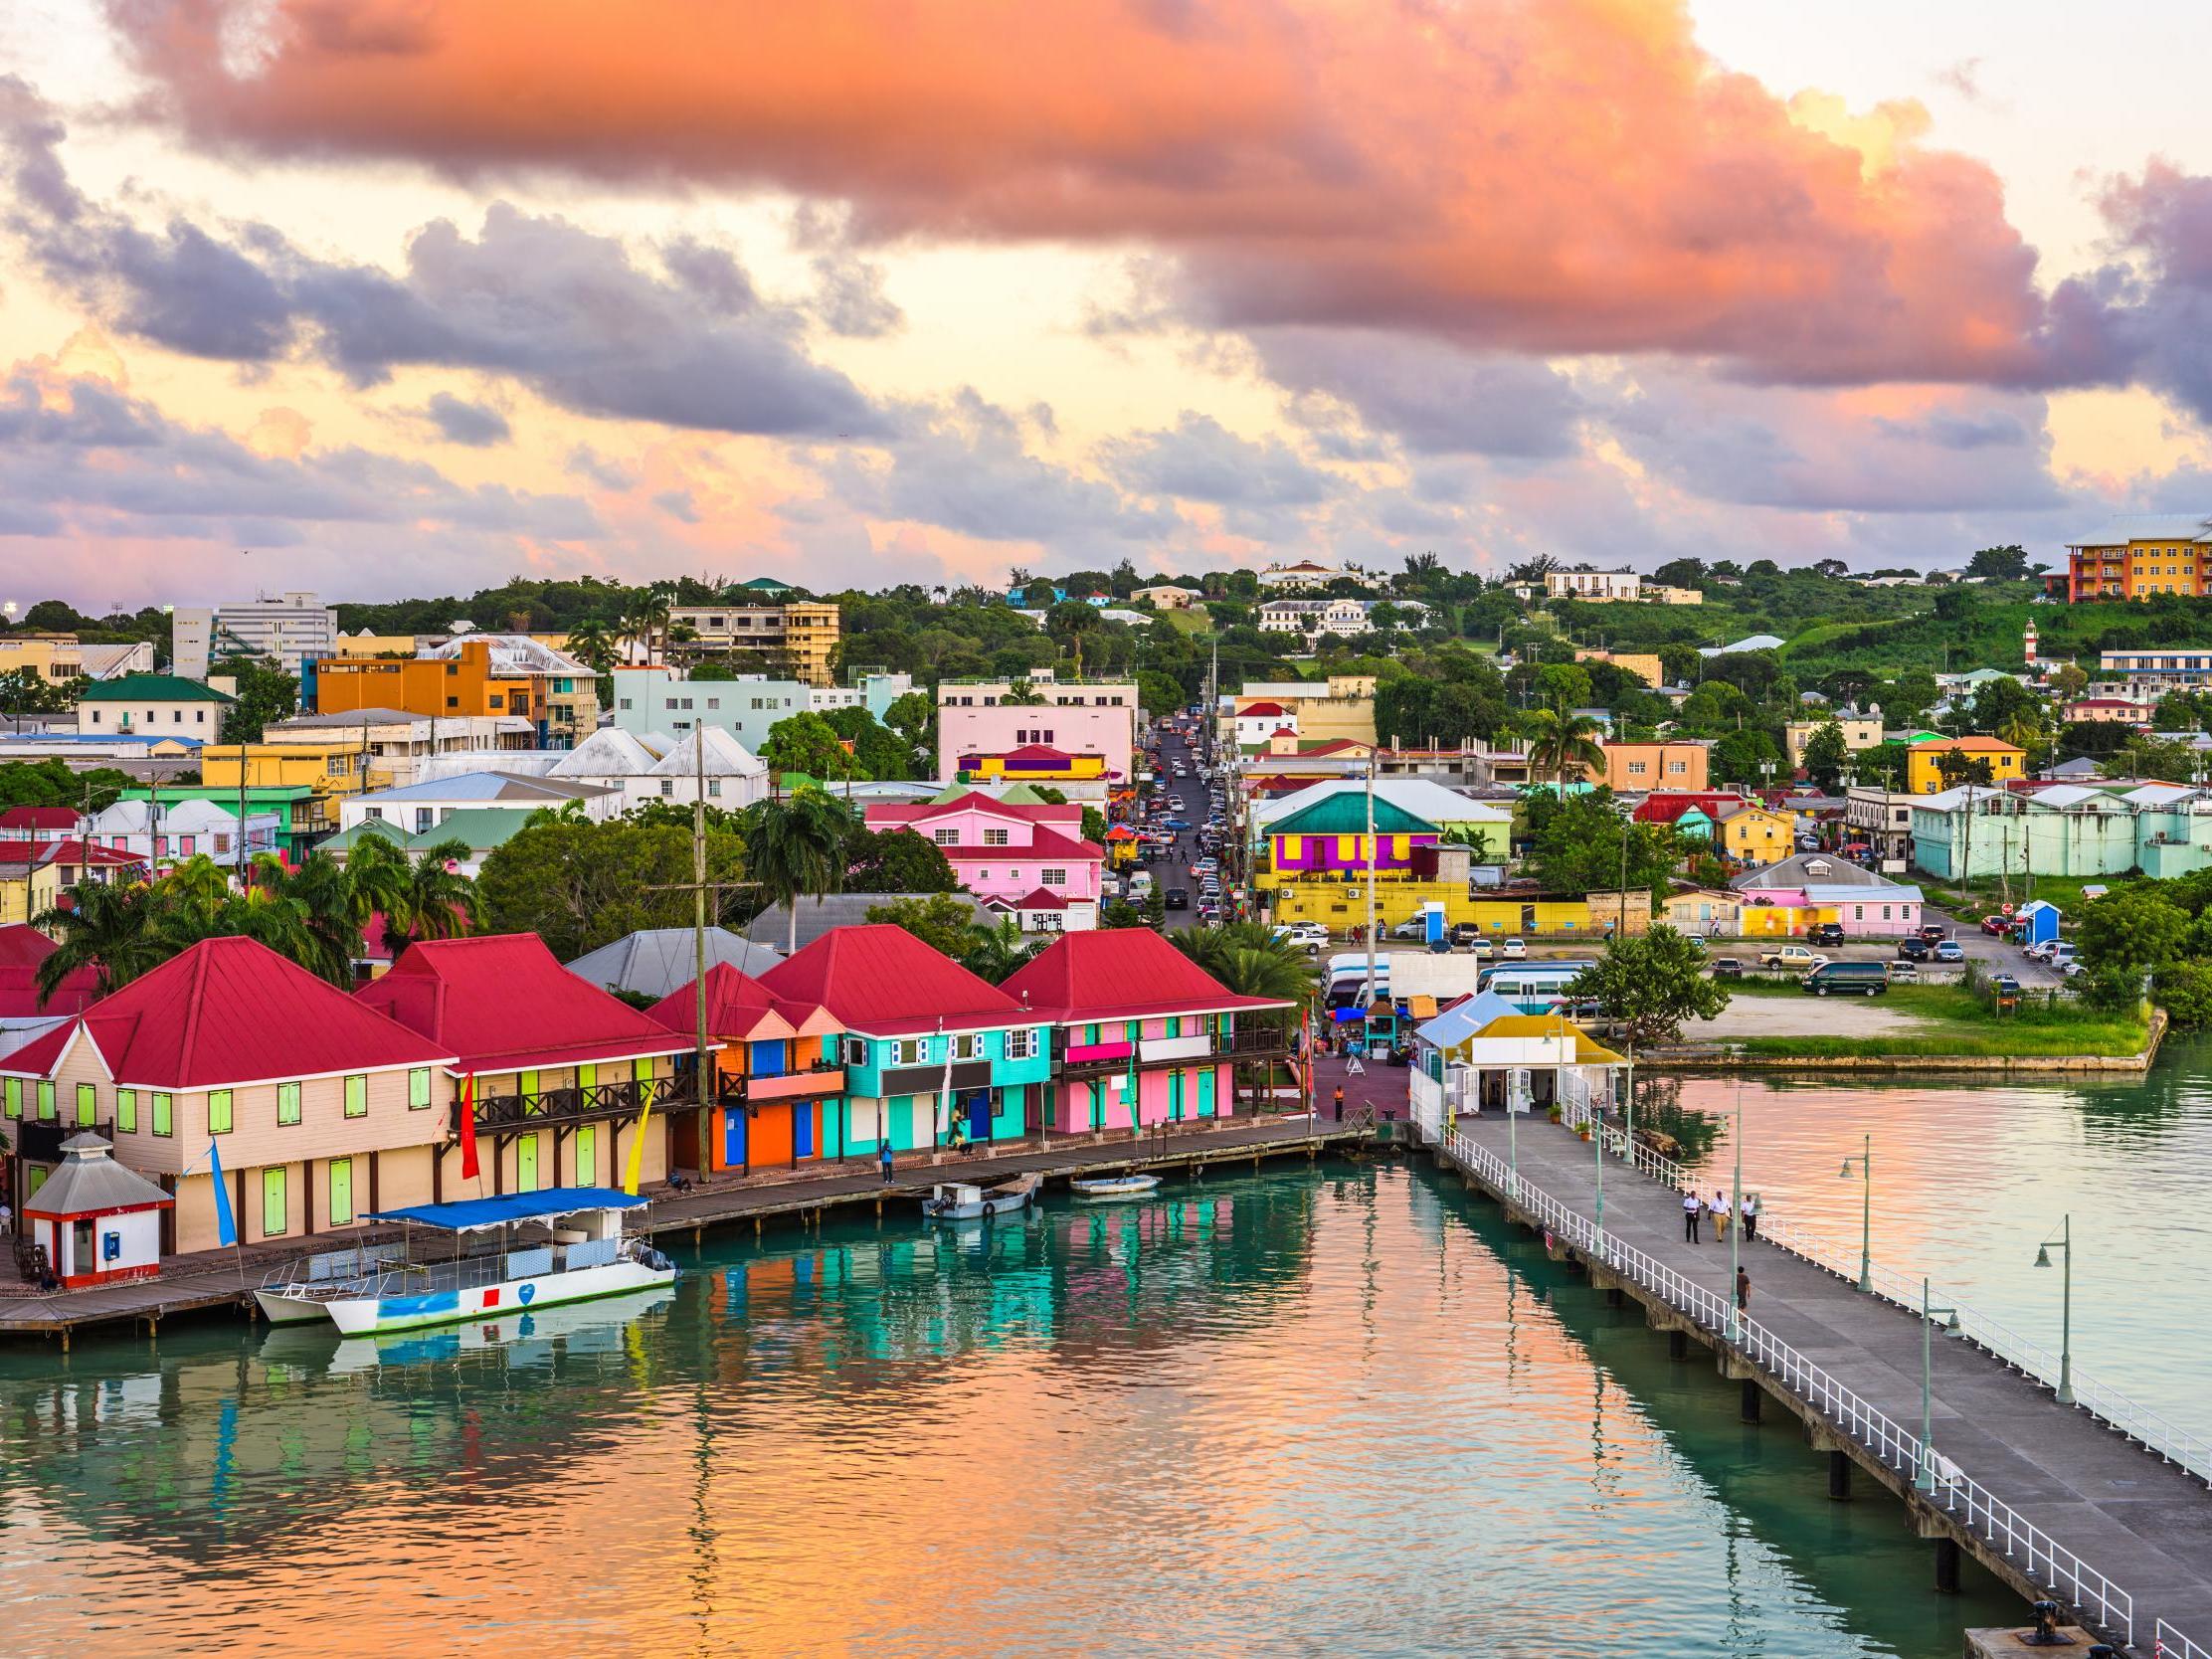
point(641, 1070)
point(162, 1124)
point(46, 1103)
point(357, 1095)
point(287, 1103)
point(14, 1097)
point(127, 1111)
point(418, 1089)
point(219, 1113)
point(87, 1105)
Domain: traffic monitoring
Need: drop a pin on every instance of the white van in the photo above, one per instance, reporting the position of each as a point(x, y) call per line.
point(1140, 884)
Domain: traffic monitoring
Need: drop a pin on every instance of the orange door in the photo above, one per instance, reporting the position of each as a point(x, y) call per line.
point(771, 1136)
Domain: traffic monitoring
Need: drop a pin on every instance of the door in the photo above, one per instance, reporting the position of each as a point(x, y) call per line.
point(1205, 1092)
point(276, 1212)
point(803, 1129)
point(735, 1123)
point(527, 1164)
point(979, 1115)
point(587, 1156)
point(341, 1192)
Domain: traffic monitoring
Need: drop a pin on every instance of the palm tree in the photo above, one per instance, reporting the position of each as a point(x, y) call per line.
point(592, 644)
point(1562, 744)
point(196, 887)
point(440, 902)
point(321, 899)
point(796, 845)
point(1252, 960)
point(377, 878)
point(999, 951)
point(108, 927)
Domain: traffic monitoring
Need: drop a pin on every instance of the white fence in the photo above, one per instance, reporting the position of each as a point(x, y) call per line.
point(2039, 1558)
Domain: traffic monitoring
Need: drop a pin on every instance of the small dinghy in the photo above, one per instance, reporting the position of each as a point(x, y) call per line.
point(1114, 1186)
point(957, 1201)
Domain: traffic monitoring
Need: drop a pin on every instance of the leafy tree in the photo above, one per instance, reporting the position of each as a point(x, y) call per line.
point(2070, 681)
point(878, 751)
point(2000, 564)
point(1577, 846)
point(1121, 913)
point(25, 691)
point(579, 884)
point(1956, 768)
point(266, 693)
point(108, 927)
point(913, 716)
point(808, 744)
point(796, 845)
point(947, 925)
point(1681, 572)
point(997, 953)
point(1563, 748)
point(1251, 960)
point(50, 783)
point(2132, 930)
point(897, 861)
point(1738, 756)
point(1563, 685)
point(1826, 755)
point(1094, 827)
point(2185, 992)
point(2001, 702)
point(1651, 985)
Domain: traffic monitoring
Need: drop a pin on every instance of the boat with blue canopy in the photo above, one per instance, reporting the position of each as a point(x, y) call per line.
point(561, 1245)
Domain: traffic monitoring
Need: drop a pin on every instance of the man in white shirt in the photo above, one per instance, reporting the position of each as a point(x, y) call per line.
point(1720, 1216)
point(1692, 1205)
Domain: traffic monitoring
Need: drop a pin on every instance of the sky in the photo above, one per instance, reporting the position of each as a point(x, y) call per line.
point(409, 296)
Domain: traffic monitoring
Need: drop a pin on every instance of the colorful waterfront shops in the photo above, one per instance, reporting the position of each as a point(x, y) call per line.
point(778, 1070)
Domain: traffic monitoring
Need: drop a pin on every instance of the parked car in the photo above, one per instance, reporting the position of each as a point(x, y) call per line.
point(1914, 950)
point(1865, 978)
point(1481, 948)
point(1950, 950)
point(1464, 934)
point(1996, 925)
point(2062, 953)
point(1512, 950)
point(1791, 959)
point(2004, 985)
point(1933, 931)
point(1825, 932)
point(1903, 973)
point(1178, 898)
point(1727, 968)
point(1414, 927)
point(1307, 936)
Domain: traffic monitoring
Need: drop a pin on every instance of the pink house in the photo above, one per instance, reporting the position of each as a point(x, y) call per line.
point(1141, 1034)
point(1792, 897)
point(1098, 739)
point(1028, 862)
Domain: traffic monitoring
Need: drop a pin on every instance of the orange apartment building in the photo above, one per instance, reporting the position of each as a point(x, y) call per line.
point(464, 684)
point(2139, 555)
point(1637, 768)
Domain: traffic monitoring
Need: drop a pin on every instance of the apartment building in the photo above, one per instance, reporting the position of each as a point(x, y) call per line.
point(1860, 731)
point(58, 658)
point(286, 628)
point(1599, 584)
point(1637, 767)
point(799, 636)
point(507, 675)
point(155, 705)
point(2137, 555)
point(668, 703)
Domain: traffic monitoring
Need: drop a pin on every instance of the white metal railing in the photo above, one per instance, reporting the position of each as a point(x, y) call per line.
point(2034, 1553)
point(2149, 1428)
point(2169, 1643)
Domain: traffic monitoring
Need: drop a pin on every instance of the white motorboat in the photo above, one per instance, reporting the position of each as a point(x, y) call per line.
point(958, 1201)
point(1131, 1186)
point(584, 1256)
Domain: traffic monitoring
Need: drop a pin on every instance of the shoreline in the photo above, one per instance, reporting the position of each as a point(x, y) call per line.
point(1717, 1056)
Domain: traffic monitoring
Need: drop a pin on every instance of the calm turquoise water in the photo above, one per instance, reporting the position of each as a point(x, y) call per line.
point(1328, 1410)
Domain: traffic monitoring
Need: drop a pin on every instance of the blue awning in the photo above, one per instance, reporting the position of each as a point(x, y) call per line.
point(472, 1214)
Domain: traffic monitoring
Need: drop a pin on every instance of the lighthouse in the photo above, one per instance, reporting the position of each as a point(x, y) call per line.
point(2027, 645)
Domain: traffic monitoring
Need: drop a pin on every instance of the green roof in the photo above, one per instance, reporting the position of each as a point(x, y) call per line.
point(156, 689)
point(1346, 814)
point(480, 827)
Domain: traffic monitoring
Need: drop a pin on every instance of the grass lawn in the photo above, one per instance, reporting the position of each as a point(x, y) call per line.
point(1988, 893)
point(1192, 621)
point(1953, 1021)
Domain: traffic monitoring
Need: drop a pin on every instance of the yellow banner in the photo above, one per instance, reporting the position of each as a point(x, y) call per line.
point(636, 1163)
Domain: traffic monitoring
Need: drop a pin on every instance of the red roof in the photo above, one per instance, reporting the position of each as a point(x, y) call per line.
point(53, 819)
point(1041, 899)
point(24, 946)
point(889, 816)
point(1044, 844)
point(1335, 745)
point(229, 1011)
point(739, 1007)
point(1267, 711)
point(501, 1002)
point(1036, 756)
point(883, 980)
point(1123, 973)
point(1667, 806)
point(21, 949)
point(71, 850)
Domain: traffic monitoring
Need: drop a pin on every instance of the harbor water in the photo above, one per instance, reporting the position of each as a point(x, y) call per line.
point(1324, 1408)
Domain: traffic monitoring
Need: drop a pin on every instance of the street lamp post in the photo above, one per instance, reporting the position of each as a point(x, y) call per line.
point(1865, 1161)
point(1736, 1232)
point(1924, 1481)
point(2064, 1243)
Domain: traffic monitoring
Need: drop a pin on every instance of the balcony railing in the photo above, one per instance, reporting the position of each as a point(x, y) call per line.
point(804, 1083)
point(587, 1103)
point(1260, 1043)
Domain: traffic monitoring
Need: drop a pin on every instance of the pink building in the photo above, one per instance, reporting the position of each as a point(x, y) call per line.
point(1788, 899)
point(1028, 862)
point(1141, 1034)
point(1099, 739)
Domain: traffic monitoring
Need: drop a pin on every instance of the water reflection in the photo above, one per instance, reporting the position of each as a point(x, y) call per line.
point(1334, 1409)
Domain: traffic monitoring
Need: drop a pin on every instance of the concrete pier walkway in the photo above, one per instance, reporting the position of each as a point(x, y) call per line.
point(2024, 1481)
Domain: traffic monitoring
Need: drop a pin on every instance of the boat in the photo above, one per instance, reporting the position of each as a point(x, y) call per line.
point(596, 1325)
point(958, 1201)
point(1130, 1185)
point(574, 1252)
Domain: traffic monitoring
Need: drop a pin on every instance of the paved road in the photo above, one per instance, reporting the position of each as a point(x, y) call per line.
point(2124, 1509)
point(1191, 795)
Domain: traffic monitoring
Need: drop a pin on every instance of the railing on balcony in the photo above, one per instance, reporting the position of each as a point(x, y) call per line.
point(1257, 1043)
point(801, 1083)
point(586, 1103)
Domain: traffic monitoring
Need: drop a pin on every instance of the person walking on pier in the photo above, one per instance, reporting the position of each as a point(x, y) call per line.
point(1720, 1208)
point(1340, 1103)
point(883, 1158)
point(1750, 1217)
point(1743, 1291)
point(1692, 1205)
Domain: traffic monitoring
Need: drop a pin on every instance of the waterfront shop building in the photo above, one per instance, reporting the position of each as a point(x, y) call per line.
point(1140, 1035)
point(778, 1068)
point(318, 1107)
point(924, 1041)
point(563, 1075)
point(1483, 1055)
point(1788, 898)
point(99, 1222)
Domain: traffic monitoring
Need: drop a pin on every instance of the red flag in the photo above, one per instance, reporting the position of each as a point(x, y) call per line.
point(468, 1127)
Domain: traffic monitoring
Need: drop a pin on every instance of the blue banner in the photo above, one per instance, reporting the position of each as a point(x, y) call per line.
point(226, 1226)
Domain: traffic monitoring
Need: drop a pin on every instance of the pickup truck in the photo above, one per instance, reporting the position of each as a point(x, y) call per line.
point(1791, 959)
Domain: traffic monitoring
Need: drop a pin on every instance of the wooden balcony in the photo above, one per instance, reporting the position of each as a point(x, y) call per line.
point(593, 1103)
point(807, 1083)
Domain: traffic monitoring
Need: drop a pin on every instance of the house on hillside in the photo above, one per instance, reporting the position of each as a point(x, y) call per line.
point(563, 1075)
point(319, 1107)
point(924, 1041)
point(1140, 1035)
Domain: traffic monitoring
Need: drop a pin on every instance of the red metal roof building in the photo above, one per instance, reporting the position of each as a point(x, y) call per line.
point(561, 1072)
point(37, 824)
point(317, 1105)
point(881, 981)
point(23, 949)
point(777, 1066)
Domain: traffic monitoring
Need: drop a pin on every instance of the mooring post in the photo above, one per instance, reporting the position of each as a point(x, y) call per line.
point(1678, 1344)
point(1839, 1476)
point(1947, 1566)
point(1752, 1396)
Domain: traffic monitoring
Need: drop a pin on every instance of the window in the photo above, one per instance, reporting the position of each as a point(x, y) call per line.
point(163, 1119)
point(996, 837)
point(909, 1050)
point(1021, 1045)
point(667, 788)
point(1052, 877)
point(357, 1095)
point(287, 1104)
point(219, 1111)
point(945, 837)
point(14, 1096)
point(46, 1103)
point(967, 1045)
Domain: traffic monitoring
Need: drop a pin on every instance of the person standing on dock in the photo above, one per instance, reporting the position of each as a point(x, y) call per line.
point(1743, 1291)
point(1340, 1103)
point(884, 1158)
point(1692, 1206)
point(1720, 1208)
point(1750, 1217)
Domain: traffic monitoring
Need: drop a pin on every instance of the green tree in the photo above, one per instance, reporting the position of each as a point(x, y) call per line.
point(1094, 827)
point(579, 884)
point(50, 783)
point(1563, 685)
point(897, 861)
point(1651, 984)
point(1577, 846)
point(796, 845)
point(947, 925)
point(266, 695)
point(1956, 768)
point(1563, 748)
point(2000, 564)
point(1251, 960)
point(1738, 756)
point(2136, 929)
point(997, 952)
point(914, 719)
point(1826, 755)
point(108, 927)
point(808, 744)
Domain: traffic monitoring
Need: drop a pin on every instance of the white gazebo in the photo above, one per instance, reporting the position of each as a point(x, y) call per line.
point(101, 1223)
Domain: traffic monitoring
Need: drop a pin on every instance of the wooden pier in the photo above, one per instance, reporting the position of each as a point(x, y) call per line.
point(217, 1280)
point(2052, 1500)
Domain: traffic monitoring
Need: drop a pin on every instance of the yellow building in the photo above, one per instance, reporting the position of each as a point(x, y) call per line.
point(1860, 731)
point(28, 888)
point(2140, 555)
point(1341, 906)
point(331, 766)
point(1645, 665)
point(1757, 835)
point(1320, 711)
point(1922, 776)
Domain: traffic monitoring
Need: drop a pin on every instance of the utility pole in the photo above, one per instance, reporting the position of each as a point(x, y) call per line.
point(1370, 877)
point(698, 923)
